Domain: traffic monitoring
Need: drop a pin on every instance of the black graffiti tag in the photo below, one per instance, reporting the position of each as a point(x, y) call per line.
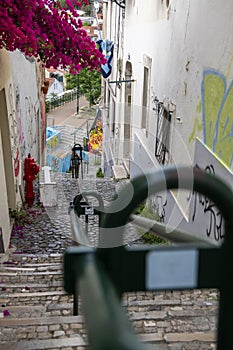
point(215, 222)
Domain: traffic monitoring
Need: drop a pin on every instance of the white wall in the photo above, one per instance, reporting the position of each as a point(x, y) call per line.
point(27, 108)
point(190, 45)
point(4, 210)
point(190, 40)
point(19, 124)
point(55, 88)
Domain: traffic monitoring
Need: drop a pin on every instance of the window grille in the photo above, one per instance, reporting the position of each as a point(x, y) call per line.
point(162, 140)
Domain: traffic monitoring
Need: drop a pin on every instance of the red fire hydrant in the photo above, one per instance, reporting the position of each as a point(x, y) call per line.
point(31, 169)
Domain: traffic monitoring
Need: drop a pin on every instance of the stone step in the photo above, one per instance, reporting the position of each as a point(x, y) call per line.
point(35, 298)
point(47, 309)
point(43, 333)
point(21, 271)
point(11, 259)
point(67, 343)
point(39, 287)
point(201, 341)
point(42, 328)
point(31, 267)
point(174, 314)
point(25, 269)
point(175, 306)
point(35, 321)
point(13, 266)
point(32, 294)
point(23, 311)
point(67, 135)
point(24, 278)
point(178, 341)
point(42, 318)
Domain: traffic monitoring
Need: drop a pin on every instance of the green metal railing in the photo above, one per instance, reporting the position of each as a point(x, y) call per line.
point(101, 275)
point(58, 101)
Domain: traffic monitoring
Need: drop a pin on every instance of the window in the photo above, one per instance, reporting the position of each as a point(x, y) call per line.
point(147, 65)
point(162, 140)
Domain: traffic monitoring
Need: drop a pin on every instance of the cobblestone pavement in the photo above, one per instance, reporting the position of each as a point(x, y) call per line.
point(50, 230)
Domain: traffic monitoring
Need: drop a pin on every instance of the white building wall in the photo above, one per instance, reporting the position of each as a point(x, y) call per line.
point(186, 42)
point(19, 130)
point(55, 88)
point(112, 30)
point(190, 46)
point(28, 113)
point(4, 210)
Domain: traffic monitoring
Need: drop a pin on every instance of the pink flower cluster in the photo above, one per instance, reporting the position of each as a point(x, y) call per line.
point(50, 32)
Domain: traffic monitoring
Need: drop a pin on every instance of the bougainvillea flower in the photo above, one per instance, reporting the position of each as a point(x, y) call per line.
point(50, 32)
point(6, 313)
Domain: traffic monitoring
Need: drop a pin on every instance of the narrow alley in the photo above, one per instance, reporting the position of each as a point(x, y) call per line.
point(36, 311)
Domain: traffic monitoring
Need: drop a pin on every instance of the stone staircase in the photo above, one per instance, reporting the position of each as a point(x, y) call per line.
point(40, 311)
point(68, 137)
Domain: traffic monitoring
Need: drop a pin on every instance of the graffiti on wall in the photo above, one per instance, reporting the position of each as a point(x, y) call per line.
point(23, 127)
point(217, 115)
point(203, 205)
point(204, 214)
point(216, 107)
point(159, 203)
point(21, 137)
point(32, 127)
point(13, 131)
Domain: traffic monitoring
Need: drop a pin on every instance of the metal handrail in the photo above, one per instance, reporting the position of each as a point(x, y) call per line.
point(164, 179)
point(88, 269)
point(81, 208)
point(169, 233)
point(192, 179)
point(106, 322)
point(80, 127)
point(78, 235)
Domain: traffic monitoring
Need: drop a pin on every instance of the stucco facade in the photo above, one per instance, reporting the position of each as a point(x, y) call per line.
point(21, 126)
point(178, 56)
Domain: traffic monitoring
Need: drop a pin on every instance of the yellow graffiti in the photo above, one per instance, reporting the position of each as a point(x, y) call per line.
point(213, 96)
point(224, 139)
point(53, 141)
point(217, 113)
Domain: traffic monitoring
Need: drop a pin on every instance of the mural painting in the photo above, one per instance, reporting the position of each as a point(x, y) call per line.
point(96, 135)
